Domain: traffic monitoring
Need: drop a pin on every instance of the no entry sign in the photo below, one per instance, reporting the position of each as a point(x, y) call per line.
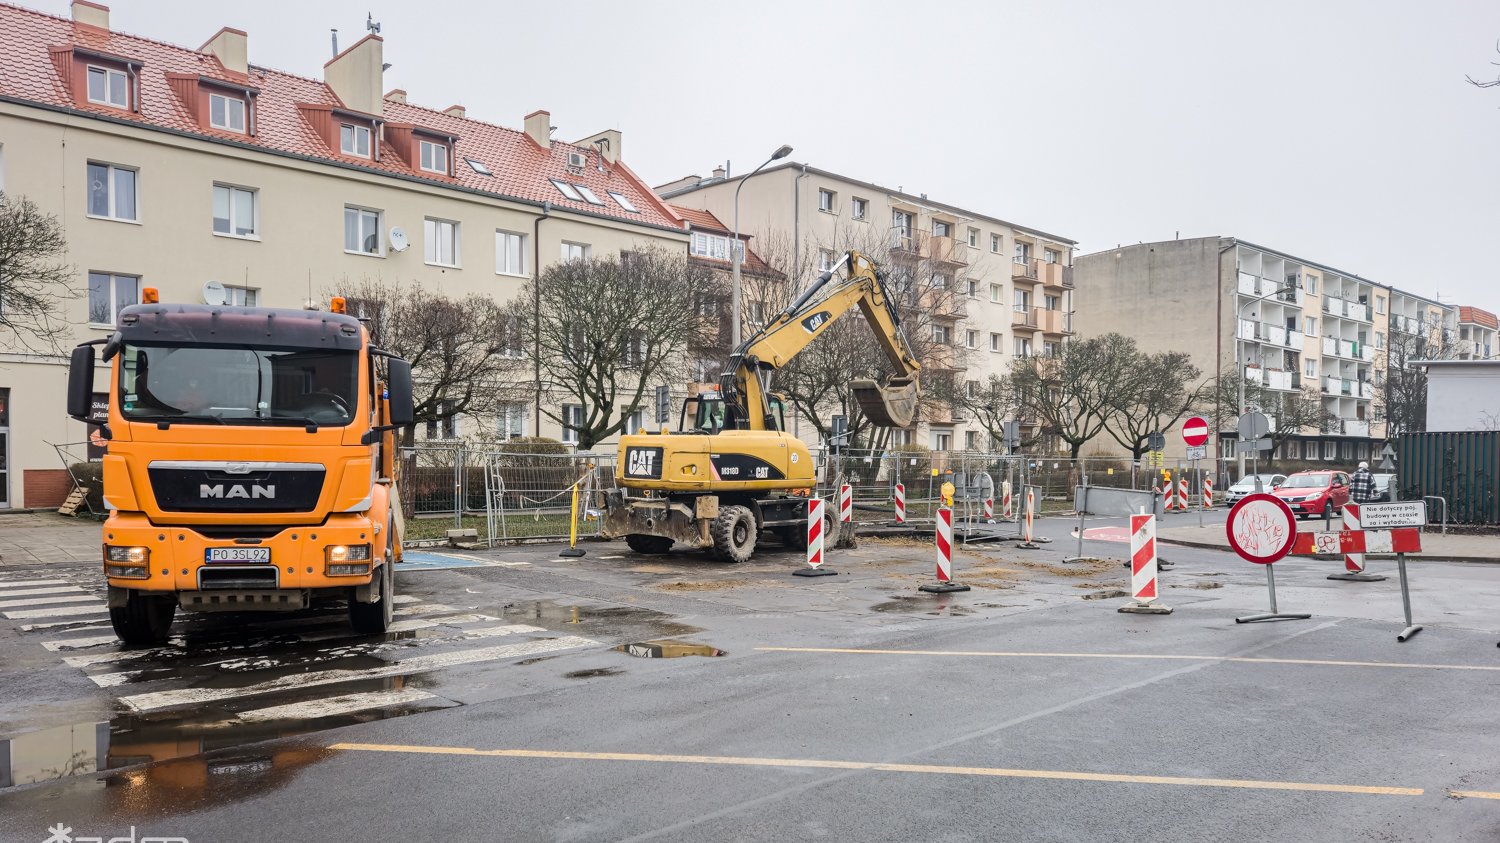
point(1261, 528)
point(1195, 431)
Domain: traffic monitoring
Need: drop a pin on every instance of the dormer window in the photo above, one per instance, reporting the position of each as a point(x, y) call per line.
point(434, 157)
point(354, 140)
point(108, 86)
point(226, 112)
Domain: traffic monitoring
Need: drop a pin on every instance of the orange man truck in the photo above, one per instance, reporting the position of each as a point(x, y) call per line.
point(251, 462)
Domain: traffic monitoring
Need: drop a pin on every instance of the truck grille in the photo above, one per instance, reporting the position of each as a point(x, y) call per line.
point(184, 489)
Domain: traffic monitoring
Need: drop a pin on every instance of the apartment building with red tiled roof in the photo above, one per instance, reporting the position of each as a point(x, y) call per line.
point(175, 167)
point(1477, 334)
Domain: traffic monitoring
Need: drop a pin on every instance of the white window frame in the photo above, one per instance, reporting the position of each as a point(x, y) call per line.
point(445, 429)
point(997, 293)
point(437, 233)
point(1051, 256)
point(942, 440)
point(108, 74)
point(588, 195)
point(997, 342)
point(825, 260)
point(1023, 347)
point(510, 420)
point(505, 243)
point(942, 228)
point(114, 312)
point(997, 243)
point(859, 208)
point(828, 201)
point(241, 296)
point(111, 198)
point(973, 237)
point(973, 285)
point(428, 153)
point(971, 339)
point(362, 234)
point(351, 144)
point(623, 202)
point(572, 419)
point(634, 420)
point(1311, 326)
point(1310, 370)
point(234, 189)
point(228, 124)
point(572, 250)
point(942, 334)
point(1310, 284)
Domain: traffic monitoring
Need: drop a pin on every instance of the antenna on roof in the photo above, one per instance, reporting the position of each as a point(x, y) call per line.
point(371, 24)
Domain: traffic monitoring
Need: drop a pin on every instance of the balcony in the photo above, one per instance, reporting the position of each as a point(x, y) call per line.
point(1330, 385)
point(1023, 318)
point(1355, 427)
point(1067, 274)
point(905, 244)
point(1050, 274)
point(1291, 296)
point(947, 251)
point(1023, 270)
point(1250, 285)
point(1056, 322)
point(1366, 389)
point(1278, 379)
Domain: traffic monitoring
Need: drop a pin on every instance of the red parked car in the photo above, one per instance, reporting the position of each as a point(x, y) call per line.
point(1315, 493)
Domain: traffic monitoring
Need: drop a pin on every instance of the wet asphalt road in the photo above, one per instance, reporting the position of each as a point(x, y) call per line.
point(526, 697)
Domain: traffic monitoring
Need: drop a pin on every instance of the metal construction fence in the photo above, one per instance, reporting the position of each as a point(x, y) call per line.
point(508, 496)
point(1462, 469)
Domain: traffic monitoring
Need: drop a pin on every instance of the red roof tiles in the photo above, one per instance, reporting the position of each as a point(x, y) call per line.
point(520, 168)
point(706, 221)
point(1477, 316)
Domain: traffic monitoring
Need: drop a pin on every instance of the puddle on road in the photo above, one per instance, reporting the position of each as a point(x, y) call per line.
point(590, 674)
point(1106, 595)
point(938, 605)
point(668, 649)
point(620, 621)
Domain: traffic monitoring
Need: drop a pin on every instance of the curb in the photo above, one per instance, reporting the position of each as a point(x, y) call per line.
point(1476, 560)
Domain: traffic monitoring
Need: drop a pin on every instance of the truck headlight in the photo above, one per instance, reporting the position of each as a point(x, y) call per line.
point(127, 561)
point(347, 560)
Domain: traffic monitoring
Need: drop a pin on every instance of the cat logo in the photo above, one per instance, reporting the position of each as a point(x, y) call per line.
point(643, 462)
point(817, 320)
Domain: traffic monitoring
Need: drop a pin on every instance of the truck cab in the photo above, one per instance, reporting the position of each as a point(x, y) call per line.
point(250, 464)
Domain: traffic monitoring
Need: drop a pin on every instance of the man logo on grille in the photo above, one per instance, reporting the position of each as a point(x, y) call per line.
point(236, 491)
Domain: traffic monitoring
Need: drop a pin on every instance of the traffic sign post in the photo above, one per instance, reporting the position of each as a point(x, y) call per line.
point(1195, 432)
point(1262, 529)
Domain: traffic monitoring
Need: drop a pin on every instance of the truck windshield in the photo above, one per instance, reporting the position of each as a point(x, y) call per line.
point(225, 385)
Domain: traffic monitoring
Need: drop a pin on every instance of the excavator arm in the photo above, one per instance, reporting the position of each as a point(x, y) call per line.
point(893, 404)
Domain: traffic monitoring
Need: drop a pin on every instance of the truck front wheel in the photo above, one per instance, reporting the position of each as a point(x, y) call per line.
point(144, 620)
point(375, 618)
point(733, 533)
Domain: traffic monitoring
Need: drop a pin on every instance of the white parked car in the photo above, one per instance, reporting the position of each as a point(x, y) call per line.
point(1246, 485)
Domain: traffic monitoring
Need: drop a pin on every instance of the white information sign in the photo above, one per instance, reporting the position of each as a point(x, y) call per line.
point(1382, 516)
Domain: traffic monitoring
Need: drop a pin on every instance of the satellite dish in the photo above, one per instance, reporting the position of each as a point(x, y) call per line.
point(214, 293)
point(398, 240)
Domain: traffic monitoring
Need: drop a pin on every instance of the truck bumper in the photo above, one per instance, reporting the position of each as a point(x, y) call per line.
point(176, 562)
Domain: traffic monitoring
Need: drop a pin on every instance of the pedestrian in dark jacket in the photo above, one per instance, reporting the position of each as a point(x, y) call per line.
point(1362, 485)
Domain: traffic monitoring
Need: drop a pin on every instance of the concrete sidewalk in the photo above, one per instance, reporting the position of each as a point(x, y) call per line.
point(43, 538)
point(1435, 545)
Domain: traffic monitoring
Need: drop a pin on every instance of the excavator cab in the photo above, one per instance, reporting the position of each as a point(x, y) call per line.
point(707, 413)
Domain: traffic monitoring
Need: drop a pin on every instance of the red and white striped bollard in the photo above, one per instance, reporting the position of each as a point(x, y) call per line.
point(900, 503)
point(1182, 494)
point(1143, 568)
point(815, 557)
point(1007, 508)
point(1030, 514)
point(1208, 492)
point(846, 503)
point(944, 547)
point(1354, 563)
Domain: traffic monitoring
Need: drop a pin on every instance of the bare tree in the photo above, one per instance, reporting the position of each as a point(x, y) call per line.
point(1486, 83)
point(1155, 391)
point(1070, 393)
point(1291, 413)
point(462, 352)
point(611, 329)
point(1402, 399)
point(34, 281)
point(991, 403)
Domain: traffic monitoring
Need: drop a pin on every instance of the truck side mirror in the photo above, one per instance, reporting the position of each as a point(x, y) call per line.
point(398, 391)
point(81, 382)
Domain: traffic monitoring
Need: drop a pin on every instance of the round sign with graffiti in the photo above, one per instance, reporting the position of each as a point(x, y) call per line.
point(1261, 528)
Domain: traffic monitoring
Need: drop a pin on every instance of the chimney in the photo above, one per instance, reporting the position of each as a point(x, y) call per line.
point(91, 14)
point(396, 95)
point(356, 74)
point(718, 174)
point(610, 145)
point(456, 111)
point(539, 128)
point(229, 47)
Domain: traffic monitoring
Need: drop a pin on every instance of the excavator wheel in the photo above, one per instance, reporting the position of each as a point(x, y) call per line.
point(733, 533)
point(648, 544)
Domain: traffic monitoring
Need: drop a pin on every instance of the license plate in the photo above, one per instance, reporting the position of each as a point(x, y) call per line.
point(237, 554)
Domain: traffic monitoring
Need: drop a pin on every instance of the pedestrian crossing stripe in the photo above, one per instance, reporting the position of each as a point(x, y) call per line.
point(45, 601)
point(29, 583)
point(6, 594)
point(56, 612)
point(333, 706)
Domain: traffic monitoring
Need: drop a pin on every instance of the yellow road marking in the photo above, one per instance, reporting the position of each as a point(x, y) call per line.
point(823, 764)
point(1157, 656)
point(1474, 794)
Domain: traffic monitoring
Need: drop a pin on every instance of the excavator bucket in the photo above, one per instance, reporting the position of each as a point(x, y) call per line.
point(892, 405)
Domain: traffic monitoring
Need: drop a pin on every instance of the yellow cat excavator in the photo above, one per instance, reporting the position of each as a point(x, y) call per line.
point(732, 470)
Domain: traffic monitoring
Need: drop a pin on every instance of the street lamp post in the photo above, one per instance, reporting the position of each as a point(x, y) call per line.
point(1240, 362)
point(734, 248)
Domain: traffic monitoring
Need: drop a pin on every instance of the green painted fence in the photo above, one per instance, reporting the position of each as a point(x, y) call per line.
point(1463, 468)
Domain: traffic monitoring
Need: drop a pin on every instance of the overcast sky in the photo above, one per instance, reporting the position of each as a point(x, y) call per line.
point(1342, 132)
